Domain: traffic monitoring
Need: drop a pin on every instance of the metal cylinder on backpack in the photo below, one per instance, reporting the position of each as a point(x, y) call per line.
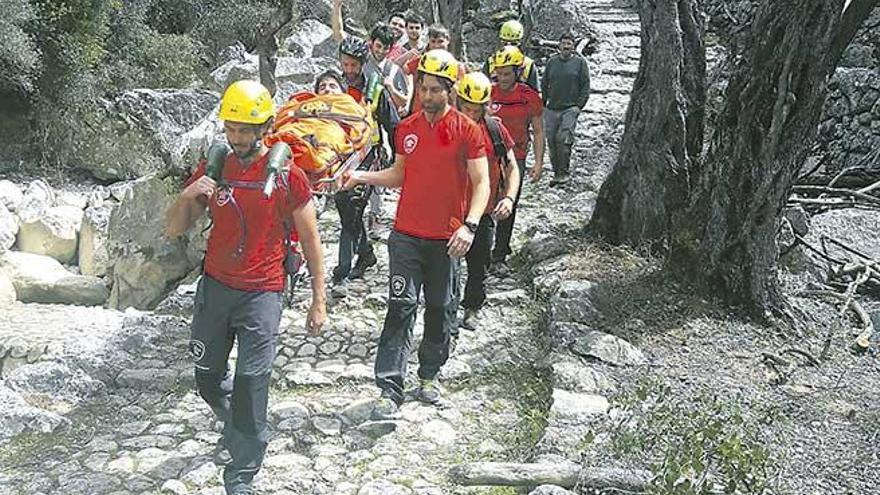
point(216, 158)
point(278, 155)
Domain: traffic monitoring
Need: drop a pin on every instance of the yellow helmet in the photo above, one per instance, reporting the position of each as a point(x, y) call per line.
point(511, 30)
point(247, 102)
point(508, 56)
point(439, 63)
point(475, 87)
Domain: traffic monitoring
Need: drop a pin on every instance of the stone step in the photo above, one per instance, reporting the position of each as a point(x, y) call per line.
point(629, 41)
point(616, 85)
point(598, 7)
point(624, 31)
point(607, 104)
point(602, 18)
point(622, 70)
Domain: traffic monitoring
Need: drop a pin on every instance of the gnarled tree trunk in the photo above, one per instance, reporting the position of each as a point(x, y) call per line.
point(664, 128)
point(450, 16)
point(727, 238)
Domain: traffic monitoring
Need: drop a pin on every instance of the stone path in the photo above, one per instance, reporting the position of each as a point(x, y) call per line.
point(131, 423)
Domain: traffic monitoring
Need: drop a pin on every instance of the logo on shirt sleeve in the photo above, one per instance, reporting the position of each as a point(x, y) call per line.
point(410, 141)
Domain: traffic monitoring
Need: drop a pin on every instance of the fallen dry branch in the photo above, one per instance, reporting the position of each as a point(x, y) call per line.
point(818, 203)
point(872, 187)
point(566, 475)
point(836, 192)
point(811, 360)
point(863, 340)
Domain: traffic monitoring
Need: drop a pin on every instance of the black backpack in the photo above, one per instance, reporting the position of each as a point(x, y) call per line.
point(499, 147)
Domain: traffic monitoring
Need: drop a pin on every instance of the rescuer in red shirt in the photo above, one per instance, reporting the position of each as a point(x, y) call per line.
point(440, 156)
point(473, 91)
point(240, 293)
point(521, 111)
point(438, 39)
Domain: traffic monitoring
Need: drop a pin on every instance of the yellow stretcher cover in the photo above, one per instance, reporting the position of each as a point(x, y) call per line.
point(322, 131)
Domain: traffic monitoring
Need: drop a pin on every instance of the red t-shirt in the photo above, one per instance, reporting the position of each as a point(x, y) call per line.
point(516, 108)
point(496, 163)
point(355, 93)
point(249, 227)
point(395, 51)
point(433, 201)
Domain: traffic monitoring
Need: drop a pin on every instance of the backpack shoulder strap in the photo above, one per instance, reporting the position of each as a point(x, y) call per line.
point(498, 144)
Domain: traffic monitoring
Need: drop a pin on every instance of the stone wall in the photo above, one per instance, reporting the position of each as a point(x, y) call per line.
point(850, 127)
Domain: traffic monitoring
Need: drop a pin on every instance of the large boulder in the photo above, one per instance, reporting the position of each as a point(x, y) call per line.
point(7, 291)
point(857, 229)
point(93, 253)
point(326, 48)
point(37, 197)
point(10, 195)
point(309, 33)
point(145, 131)
point(146, 263)
point(301, 70)
point(17, 416)
point(44, 280)
point(51, 232)
point(8, 228)
point(53, 382)
point(609, 349)
point(243, 65)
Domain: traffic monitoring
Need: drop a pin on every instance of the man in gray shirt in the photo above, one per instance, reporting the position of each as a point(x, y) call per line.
point(565, 89)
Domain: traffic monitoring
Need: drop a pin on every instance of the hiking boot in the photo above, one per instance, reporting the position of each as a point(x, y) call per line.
point(385, 408)
point(559, 180)
point(220, 454)
point(500, 268)
point(471, 316)
point(364, 262)
point(429, 391)
point(339, 289)
point(374, 226)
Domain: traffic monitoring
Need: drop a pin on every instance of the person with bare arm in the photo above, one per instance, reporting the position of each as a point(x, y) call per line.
point(239, 296)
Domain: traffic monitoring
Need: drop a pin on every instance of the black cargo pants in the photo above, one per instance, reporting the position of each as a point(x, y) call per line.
point(222, 315)
point(478, 263)
point(416, 264)
point(504, 231)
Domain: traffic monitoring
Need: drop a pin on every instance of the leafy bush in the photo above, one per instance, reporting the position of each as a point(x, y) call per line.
point(707, 445)
point(19, 55)
point(60, 59)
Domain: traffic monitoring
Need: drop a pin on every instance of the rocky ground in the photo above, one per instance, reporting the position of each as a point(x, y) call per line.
point(137, 426)
point(102, 401)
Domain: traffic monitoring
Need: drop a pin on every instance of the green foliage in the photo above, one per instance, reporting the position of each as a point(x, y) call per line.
point(60, 59)
point(707, 445)
point(19, 55)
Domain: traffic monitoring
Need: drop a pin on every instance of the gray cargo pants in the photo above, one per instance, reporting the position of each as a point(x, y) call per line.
point(222, 315)
point(559, 127)
point(416, 264)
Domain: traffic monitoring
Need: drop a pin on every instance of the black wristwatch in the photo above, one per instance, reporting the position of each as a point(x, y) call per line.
point(471, 226)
